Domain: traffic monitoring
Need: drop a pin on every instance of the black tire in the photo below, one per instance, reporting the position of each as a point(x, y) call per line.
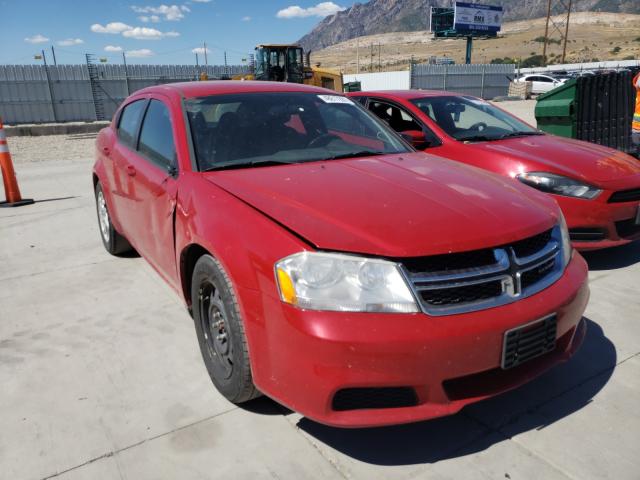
point(113, 242)
point(220, 331)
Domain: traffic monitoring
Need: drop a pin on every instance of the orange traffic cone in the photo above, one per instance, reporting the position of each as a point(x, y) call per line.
point(11, 190)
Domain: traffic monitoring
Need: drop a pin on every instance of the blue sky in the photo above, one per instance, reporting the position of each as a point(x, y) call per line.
point(152, 32)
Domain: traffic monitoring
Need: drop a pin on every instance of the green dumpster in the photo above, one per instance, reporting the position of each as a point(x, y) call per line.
point(353, 87)
point(555, 110)
point(594, 108)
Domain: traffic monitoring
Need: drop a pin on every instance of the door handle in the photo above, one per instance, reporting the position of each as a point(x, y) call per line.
point(131, 170)
point(106, 151)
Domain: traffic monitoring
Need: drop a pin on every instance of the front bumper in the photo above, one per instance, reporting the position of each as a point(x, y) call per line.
point(303, 358)
point(596, 224)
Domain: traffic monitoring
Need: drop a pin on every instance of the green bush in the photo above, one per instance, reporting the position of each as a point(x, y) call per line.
point(533, 61)
point(551, 40)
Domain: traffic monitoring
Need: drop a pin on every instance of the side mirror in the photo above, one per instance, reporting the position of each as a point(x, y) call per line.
point(416, 138)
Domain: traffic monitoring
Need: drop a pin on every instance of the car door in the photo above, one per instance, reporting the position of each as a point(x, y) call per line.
point(154, 170)
point(121, 180)
point(542, 84)
point(401, 120)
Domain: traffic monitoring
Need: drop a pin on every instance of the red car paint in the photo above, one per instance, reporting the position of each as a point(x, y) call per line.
point(391, 206)
point(602, 167)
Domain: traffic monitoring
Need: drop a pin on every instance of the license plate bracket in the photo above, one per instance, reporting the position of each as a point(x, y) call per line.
point(529, 341)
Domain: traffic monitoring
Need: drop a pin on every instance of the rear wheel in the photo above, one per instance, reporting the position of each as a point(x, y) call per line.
point(113, 242)
point(220, 331)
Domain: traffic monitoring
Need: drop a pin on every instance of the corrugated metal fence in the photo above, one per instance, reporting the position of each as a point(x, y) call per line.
point(35, 94)
point(484, 81)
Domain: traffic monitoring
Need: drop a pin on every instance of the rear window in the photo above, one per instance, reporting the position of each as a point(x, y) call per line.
point(129, 121)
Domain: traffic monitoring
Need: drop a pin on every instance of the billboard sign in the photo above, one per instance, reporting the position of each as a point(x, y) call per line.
point(441, 20)
point(476, 18)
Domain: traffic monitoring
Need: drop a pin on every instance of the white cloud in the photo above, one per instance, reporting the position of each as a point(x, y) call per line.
point(200, 51)
point(113, 28)
point(321, 10)
point(246, 19)
point(37, 39)
point(142, 53)
point(70, 42)
point(112, 48)
point(149, 18)
point(201, 1)
point(139, 33)
point(144, 33)
point(169, 12)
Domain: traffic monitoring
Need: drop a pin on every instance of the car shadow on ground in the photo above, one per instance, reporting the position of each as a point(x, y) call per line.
point(613, 258)
point(549, 398)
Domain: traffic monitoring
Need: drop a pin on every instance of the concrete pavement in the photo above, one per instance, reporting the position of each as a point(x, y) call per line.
point(101, 377)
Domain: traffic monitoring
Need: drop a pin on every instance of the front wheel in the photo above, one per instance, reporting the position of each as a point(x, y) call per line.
point(220, 331)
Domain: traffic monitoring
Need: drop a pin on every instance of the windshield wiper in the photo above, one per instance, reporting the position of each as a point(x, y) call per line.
point(519, 134)
point(262, 163)
point(478, 138)
point(360, 153)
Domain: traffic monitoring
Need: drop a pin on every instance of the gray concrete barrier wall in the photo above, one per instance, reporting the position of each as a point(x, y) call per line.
point(39, 94)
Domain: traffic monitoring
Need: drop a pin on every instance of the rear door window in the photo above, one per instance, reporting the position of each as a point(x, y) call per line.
point(129, 122)
point(156, 135)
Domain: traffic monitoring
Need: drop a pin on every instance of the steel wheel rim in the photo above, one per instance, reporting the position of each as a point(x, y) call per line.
point(103, 217)
point(217, 338)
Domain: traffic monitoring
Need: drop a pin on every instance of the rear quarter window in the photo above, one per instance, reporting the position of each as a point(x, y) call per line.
point(129, 122)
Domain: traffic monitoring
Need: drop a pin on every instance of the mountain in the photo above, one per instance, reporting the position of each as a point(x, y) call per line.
point(383, 16)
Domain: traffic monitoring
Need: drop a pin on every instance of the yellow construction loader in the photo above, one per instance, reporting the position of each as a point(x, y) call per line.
point(287, 63)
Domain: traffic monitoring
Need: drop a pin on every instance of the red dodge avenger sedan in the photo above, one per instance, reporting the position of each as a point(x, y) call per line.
point(326, 263)
point(597, 188)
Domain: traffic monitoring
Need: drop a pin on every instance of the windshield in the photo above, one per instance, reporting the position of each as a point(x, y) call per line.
point(231, 131)
point(471, 119)
point(261, 62)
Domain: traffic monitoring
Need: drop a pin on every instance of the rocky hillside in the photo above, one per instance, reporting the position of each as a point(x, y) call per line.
point(384, 16)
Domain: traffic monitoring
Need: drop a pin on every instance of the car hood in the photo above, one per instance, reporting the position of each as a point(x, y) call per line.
point(394, 205)
point(589, 162)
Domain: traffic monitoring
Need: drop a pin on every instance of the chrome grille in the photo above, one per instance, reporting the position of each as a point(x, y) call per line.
point(515, 271)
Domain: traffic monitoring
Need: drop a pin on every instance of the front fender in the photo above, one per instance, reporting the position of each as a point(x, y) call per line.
point(246, 242)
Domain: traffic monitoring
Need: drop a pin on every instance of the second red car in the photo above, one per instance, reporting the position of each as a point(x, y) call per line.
point(598, 188)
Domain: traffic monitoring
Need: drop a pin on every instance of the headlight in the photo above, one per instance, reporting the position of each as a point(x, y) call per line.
point(328, 281)
point(552, 183)
point(565, 242)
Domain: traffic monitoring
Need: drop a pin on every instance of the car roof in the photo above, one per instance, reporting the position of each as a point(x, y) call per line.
point(407, 94)
point(222, 87)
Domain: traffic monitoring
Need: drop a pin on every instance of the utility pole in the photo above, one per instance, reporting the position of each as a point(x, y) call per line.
point(126, 73)
point(564, 8)
point(46, 71)
point(566, 33)
point(371, 63)
point(358, 55)
point(379, 57)
point(546, 33)
point(206, 61)
point(53, 53)
point(226, 70)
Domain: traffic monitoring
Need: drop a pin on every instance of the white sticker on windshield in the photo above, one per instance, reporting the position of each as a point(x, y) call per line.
point(335, 99)
point(477, 101)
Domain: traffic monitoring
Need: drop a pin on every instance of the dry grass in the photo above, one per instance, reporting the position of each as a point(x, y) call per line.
point(591, 35)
